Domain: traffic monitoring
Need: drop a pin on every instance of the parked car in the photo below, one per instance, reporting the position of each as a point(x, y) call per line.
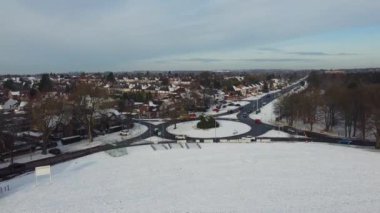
point(231, 104)
point(98, 132)
point(290, 129)
point(124, 132)
point(55, 151)
point(345, 141)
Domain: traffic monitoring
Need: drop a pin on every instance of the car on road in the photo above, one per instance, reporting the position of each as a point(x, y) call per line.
point(231, 104)
point(156, 131)
point(245, 115)
point(124, 132)
point(257, 121)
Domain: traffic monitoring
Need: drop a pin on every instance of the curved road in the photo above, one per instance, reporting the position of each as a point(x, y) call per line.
point(256, 129)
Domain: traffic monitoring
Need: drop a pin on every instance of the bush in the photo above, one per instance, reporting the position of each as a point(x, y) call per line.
point(207, 122)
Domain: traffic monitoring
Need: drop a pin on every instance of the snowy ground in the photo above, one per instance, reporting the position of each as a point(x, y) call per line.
point(258, 177)
point(225, 129)
point(252, 98)
point(230, 116)
point(279, 134)
point(26, 158)
point(115, 137)
point(112, 138)
point(154, 121)
point(266, 114)
point(338, 130)
point(153, 139)
point(227, 108)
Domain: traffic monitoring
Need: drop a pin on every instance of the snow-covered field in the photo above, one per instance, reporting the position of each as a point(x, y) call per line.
point(225, 129)
point(278, 134)
point(257, 177)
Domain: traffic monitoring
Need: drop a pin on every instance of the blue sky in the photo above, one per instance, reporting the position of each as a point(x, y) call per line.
point(96, 35)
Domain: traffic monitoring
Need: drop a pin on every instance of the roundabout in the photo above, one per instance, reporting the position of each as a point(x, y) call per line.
point(225, 129)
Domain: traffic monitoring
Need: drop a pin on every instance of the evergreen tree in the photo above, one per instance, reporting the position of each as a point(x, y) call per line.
point(9, 84)
point(110, 77)
point(46, 85)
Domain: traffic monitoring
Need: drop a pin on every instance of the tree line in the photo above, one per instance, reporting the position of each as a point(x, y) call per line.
point(351, 100)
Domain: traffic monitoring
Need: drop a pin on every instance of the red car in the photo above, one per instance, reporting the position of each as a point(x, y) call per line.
point(215, 110)
point(257, 121)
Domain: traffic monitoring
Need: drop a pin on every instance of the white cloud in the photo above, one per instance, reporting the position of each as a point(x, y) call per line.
point(78, 35)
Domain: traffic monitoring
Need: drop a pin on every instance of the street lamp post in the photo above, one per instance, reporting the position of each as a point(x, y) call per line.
point(257, 104)
point(215, 128)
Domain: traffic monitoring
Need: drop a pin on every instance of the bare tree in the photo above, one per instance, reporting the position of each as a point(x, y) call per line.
point(374, 100)
point(88, 99)
point(7, 141)
point(288, 108)
point(329, 105)
point(174, 111)
point(309, 107)
point(47, 113)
